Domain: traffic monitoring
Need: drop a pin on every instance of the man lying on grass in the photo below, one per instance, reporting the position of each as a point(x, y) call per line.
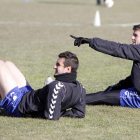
point(127, 92)
point(63, 97)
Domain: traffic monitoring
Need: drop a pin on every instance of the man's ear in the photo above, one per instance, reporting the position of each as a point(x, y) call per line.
point(69, 69)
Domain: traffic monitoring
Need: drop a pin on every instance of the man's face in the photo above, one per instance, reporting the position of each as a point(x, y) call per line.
point(59, 66)
point(136, 37)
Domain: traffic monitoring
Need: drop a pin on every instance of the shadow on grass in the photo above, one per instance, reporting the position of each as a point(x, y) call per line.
point(2, 112)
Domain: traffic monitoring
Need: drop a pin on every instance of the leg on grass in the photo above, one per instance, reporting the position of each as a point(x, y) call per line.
point(104, 98)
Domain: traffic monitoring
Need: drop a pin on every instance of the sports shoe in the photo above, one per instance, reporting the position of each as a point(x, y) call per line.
point(48, 80)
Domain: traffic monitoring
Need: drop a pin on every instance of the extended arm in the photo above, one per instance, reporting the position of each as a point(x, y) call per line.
point(130, 52)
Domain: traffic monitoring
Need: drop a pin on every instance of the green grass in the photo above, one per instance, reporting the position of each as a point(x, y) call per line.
point(33, 33)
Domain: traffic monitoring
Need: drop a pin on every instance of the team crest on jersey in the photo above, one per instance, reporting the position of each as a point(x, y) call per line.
point(13, 95)
point(54, 97)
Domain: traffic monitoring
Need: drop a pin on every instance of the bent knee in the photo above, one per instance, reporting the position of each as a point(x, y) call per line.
point(2, 63)
point(8, 62)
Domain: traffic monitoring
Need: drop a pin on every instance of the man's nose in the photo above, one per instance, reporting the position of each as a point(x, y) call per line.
point(132, 37)
point(54, 66)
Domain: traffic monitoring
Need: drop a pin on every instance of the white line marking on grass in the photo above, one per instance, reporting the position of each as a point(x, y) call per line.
point(62, 24)
point(124, 25)
point(42, 23)
point(7, 22)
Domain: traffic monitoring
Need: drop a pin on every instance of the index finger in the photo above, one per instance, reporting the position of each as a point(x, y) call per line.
point(73, 37)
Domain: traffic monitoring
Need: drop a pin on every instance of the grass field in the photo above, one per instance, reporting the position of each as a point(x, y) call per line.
point(33, 33)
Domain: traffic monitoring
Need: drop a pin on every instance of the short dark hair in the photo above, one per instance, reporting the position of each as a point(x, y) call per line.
point(136, 27)
point(70, 60)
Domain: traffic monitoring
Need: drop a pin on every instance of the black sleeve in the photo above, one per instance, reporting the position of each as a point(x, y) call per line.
point(78, 110)
point(126, 83)
point(53, 101)
point(130, 52)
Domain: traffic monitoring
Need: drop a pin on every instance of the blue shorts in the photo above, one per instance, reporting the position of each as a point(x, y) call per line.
point(11, 101)
point(129, 98)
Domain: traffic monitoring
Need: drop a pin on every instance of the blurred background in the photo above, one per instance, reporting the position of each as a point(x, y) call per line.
point(34, 32)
